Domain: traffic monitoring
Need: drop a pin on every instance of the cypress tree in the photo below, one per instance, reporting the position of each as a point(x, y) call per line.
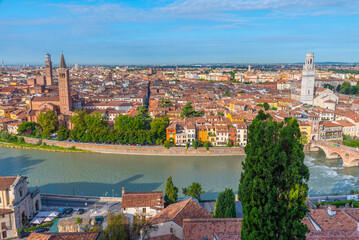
point(171, 192)
point(273, 186)
point(225, 206)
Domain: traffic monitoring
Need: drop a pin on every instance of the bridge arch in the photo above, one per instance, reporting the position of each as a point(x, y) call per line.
point(325, 150)
point(353, 162)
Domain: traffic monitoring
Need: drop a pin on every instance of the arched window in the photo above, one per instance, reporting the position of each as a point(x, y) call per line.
point(20, 192)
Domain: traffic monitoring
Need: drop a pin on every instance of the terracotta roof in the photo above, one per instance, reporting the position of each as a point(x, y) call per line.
point(5, 211)
point(227, 228)
point(182, 210)
point(6, 182)
point(153, 200)
point(64, 236)
point(165, 237)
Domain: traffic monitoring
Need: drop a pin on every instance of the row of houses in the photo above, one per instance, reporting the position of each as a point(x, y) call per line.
point(182, 132)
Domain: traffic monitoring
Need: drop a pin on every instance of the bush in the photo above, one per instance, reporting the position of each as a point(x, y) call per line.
point(159, 141)
point(167, 144)
point(207, 145)
point(39, 143)
point(4, 135)
point(78, 220)
point(21, 139)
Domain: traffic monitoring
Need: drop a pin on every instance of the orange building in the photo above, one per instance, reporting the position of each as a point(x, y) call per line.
point(171, 133)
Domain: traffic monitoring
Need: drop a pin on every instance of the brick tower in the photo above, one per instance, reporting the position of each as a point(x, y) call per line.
point(48, 65)
point(64, 87)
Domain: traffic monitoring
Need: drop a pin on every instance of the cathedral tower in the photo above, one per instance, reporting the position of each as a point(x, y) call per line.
point(308, 77)
point(64, 87)
point(48, 65)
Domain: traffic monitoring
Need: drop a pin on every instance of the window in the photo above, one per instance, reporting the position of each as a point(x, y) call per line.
point(144, 210)
point(172, 230)
point(4, 234)
point(20, 192)
point(3, 226)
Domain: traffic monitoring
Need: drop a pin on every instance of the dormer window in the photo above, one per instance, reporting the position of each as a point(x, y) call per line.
point(20, 192)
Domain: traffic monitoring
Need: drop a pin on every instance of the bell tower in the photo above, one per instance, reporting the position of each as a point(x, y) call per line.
point(48, 67)
point(64, 87)
point(308, 78)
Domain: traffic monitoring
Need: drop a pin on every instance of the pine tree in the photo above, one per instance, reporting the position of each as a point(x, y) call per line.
point(171, 192)
point(273, 186)
point(225, 206)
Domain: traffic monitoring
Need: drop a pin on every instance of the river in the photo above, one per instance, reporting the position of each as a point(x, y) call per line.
point(95, 174)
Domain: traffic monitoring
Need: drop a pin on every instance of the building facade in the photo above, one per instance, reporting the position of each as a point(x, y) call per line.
point(308, 77)
point(17, 205)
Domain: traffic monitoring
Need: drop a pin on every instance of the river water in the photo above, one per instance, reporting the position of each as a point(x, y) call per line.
point(95, 174)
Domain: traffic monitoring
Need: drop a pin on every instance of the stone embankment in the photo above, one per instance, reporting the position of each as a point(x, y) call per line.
point(142, 150)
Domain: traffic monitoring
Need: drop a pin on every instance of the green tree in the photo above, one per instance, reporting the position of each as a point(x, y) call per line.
point(220, 113)
point(158, 127)
point(167, 144)
point(196, 144)
point(166, 103)
point(189, 112)
point(229, 144)
point(144, 117)
point(345, 88)
point(207, 145)
point(353, 90)
point(266, 106)
point(195, 191)
point(225, 206)
point(48, 122)
point(27, 128)
point(118, 227)
point(187, 145)
point(273, 185)
point(226, 94)
point(63, 133)
point(171, 192)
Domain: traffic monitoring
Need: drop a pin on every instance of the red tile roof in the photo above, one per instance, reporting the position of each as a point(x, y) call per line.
point(153, 200)
point(6, 182)
point(165, 237)
point(182, 210)
point(64, 236)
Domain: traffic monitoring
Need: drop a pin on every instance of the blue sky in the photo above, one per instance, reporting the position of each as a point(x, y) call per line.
point(178, 32)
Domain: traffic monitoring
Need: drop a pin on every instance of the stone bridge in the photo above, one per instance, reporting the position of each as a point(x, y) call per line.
point(333, 150)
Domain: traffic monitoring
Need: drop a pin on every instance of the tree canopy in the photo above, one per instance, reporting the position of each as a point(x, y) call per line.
point(273, 185)
point(189, 112)
point(225, 206)
point(48, 122)
point(195, 191)
point(171, 192)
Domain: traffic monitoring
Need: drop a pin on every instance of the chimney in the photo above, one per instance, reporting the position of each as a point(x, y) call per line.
point(123, 191)
point(331, 212)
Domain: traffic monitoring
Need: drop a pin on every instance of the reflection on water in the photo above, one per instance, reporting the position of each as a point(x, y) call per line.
point(106, 174)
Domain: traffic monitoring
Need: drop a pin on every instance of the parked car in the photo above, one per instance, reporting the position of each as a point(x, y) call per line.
point(80, 211)
point(68, 210)
point(24, 234)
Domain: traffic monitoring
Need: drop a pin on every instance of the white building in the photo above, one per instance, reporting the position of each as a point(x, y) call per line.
point(308, 77)
point(143, 205)
point(17, 205)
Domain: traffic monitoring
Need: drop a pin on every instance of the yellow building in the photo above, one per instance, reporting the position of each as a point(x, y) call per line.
point(306, 131)
point(5, 111)
point(235, 118)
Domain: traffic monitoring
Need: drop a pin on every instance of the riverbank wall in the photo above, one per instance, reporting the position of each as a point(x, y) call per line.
point(142, 150)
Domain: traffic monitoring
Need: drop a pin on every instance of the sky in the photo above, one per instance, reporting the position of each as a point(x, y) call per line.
point(178, 32)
